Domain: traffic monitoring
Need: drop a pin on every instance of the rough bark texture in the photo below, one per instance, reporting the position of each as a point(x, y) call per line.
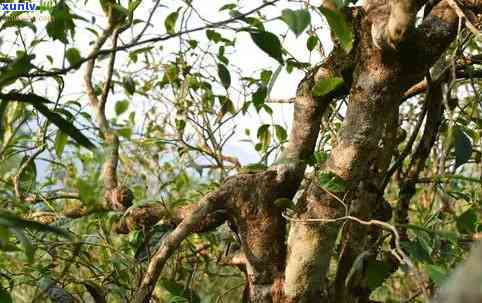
point(390, 57)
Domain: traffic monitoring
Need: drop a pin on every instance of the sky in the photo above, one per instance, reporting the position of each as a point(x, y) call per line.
point(249, 58)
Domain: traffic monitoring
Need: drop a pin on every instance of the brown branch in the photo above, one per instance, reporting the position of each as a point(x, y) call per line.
point(417, 163)
point(207, 205)
point(250, 201)
point(460, 73)
point(463, 17)
point(391, 33)
point(143, 218)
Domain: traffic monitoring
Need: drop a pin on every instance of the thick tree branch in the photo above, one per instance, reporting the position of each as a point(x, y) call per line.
point(391, 32)
point(207, 205)
point(147, 216)
point(417, 163)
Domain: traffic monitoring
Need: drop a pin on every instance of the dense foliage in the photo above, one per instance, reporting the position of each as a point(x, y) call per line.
point(111, 108)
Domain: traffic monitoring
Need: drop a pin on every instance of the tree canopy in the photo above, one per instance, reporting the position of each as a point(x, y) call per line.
point(240, 151)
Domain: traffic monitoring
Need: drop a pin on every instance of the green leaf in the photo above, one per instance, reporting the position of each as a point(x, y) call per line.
point(61, 140)
point(178, 293)
point(64, 125)
point(264, 136)
point(87, 192)
point(340, 27)
point(320, 157)
point(129, 85)
point(417, 251)
point(73, 56)
point(125, 132)
point(11, 221)
point(224, 75)
point(20, 65)
point(376, 273)
point(297, 20)
point(265, 76)
point(19, 23)
point(229, 6)
point(170, 22)
point(121, 107)
point(332, 183)
point(436, 273)
point(59, 121)
point(467, 222)
point(259, 97)
point(61, 22)
point(280, 133)
point(5, 296)
point(28, 177)
point(213, 36)
point(227, 105)
point(326, 86)
point(269, 43)
point(133, 5)
point(4, 235)
point(463, 147)
point(26, 243)
point(311, 43)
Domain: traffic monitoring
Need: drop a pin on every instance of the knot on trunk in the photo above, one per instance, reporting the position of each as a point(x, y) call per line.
point(119, 198)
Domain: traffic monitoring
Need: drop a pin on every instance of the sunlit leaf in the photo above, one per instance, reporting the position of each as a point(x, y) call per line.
point(332, 183)
point(280, 133)
point(170, 22)
point(340, 27)
point(73, 56)
point(61, 140)
point(61, 22)
point(297, 20)
point(121, 107)
point(311, 42)
point(326, 86)
point(264, 136)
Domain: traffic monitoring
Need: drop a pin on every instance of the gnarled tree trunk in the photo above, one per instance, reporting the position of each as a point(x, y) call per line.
point(288, 260)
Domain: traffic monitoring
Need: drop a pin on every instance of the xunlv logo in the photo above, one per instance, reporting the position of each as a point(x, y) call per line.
point(18, 7)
